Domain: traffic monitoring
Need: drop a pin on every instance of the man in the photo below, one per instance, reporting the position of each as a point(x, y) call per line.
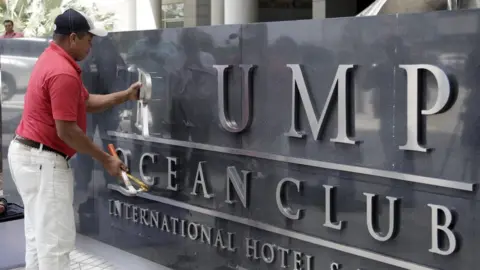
point(52, 129)
point(9, 32)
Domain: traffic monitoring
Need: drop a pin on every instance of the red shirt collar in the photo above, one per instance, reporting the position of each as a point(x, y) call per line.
point(60, 51)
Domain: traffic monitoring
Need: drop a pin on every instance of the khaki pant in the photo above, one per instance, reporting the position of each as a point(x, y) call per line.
point(45, 183)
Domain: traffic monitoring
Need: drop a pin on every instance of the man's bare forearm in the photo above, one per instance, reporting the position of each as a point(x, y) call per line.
point(76, 139)
point(100, 103)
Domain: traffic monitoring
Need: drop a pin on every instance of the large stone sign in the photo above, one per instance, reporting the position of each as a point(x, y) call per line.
point(323, 144)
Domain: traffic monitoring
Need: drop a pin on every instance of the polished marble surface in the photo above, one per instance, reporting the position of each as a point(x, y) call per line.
point(89, 253)
point(184, 124)
point(12, 244)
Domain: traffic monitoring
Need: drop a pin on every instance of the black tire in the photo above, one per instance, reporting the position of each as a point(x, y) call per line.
point(8, 87)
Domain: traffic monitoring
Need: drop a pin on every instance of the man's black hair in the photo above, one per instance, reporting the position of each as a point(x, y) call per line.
point(8, 21)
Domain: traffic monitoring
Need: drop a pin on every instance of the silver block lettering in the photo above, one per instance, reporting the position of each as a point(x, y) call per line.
point(193, 234)
point(241, 187)
point(268, 253)
point(251, 248)
point(200, 180)
point(154, 217)
point(172, 174)
point(135, 213)
point(339, 87)
point(371, 224)
point(206, 234)
point(280, 198)
point(149, 180)
point(297, 260)
point(247, 107)
point(452, 240)
point(283, 256)
point(118, 209)
point(413, 103)
point(328, 210)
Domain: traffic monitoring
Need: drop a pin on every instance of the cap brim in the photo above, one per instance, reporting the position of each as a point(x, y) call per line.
point(99, 32)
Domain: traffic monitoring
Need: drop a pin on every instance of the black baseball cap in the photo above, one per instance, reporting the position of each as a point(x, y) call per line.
point(72, 21)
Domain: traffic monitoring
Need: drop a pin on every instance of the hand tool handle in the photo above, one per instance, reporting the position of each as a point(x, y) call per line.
point(111, 149)
point(113, 152)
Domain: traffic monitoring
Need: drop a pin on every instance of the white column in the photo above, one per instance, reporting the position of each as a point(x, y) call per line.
point(125, 14)
point(149, 14)
point(240, 11)
point(319, 9)
point(157, 12)
point(217, 12)
point(132, 14)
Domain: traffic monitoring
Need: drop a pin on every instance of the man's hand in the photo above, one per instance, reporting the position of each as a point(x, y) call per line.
point(133, 91)
point(114, 166)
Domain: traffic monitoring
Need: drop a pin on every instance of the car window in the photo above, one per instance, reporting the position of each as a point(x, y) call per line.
point(23, 47)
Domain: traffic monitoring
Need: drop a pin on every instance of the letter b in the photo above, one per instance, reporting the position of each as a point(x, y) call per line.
point(436, 228)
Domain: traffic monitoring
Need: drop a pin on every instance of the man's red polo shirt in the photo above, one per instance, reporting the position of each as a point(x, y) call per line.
point(55, 92)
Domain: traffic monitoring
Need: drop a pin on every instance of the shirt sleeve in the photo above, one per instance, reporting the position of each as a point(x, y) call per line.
point(86, 93)
point(65, 93)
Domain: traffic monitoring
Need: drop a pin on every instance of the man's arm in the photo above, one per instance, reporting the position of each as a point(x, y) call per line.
point(74, 137)
point(100, 103)
point(65, 95)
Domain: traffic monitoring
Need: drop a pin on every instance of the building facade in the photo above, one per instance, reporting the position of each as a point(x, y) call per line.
point(153, 14)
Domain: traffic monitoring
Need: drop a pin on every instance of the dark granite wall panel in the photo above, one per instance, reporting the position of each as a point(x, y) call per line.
point(426, 200)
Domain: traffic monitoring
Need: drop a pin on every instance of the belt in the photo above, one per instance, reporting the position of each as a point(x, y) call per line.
point(37, 145)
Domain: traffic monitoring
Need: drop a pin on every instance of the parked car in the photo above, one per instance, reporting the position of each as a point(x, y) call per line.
point(17, 58)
